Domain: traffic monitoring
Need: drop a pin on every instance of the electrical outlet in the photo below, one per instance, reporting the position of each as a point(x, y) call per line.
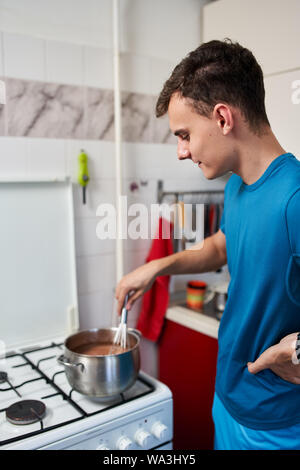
point(2, 92)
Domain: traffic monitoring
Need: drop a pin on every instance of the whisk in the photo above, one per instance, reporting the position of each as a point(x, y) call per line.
point(121, 333)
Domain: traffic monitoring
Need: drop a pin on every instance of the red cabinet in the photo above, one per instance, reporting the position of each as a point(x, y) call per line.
point(187, 364)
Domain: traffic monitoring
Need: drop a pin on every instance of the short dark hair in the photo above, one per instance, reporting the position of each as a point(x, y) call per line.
point(219, 71)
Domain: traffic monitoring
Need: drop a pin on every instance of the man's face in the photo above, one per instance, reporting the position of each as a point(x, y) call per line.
point(200, 139)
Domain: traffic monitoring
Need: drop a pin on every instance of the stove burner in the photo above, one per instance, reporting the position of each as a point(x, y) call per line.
point(4, 378)
point(26, 412)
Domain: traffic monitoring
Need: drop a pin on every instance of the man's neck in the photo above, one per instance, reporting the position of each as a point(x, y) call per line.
point(255, 154)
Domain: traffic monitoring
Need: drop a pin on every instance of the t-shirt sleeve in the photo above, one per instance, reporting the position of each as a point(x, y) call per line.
point(293, 227)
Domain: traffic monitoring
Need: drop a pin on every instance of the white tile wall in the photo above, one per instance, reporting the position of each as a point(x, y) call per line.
point(64, 63)
point(149, 363)
point(14, 161)
point(147, 161)
point(95, 273)
point(168, 29)
point(133, 314)
point(134, 259)
point(96, 309)
point(135, 73)
point(87, 242)
point(47, 158)
point(88, 22)
point(98, 67)
point(99, 310)
point(24, 57)
point(160, 71)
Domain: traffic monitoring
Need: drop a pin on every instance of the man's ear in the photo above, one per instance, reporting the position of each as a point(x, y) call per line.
point(223, 117)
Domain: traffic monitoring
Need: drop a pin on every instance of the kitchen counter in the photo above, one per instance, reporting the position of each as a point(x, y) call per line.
point(204, 322)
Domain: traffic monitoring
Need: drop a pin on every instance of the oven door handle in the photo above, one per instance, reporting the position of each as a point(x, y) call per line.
point(64, 362)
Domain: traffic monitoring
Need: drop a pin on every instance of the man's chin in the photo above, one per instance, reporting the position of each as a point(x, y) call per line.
point(211, 174)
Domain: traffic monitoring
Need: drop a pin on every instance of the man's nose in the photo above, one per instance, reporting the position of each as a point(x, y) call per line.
point(183, 152)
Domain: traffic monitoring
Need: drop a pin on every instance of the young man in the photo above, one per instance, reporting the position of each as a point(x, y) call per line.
point(215, 102)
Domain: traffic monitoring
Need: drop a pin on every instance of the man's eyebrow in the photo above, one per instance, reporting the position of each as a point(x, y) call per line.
point(181, 131)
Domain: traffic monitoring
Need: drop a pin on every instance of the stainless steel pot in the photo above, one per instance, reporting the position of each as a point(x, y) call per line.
point(101, 376)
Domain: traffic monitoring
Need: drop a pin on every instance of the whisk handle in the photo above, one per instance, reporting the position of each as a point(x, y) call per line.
point(124, 310)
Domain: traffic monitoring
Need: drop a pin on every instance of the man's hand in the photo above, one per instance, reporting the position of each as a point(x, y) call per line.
point(281, 359)
point(136, 283)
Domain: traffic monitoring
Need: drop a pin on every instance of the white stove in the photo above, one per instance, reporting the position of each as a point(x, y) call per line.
point(38, 408)
point(140, 418)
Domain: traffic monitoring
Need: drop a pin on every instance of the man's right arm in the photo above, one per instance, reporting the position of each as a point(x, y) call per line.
point(208, 255)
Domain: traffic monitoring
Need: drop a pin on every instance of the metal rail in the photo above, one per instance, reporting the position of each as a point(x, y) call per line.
point(161, 194)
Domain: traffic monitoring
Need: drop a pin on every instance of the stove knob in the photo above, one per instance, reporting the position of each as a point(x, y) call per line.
point(102, 447)
point(124, 443)
point(159, 430)
point(142, 438)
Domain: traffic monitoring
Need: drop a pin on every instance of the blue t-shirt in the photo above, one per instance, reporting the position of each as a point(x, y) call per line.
point(261, 222)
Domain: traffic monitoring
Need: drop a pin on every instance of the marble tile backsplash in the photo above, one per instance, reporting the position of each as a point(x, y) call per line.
point(49, 110)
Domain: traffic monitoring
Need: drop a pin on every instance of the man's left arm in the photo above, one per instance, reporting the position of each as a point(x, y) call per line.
point(281, 358)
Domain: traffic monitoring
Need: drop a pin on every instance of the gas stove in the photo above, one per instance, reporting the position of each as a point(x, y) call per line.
point(40, 410)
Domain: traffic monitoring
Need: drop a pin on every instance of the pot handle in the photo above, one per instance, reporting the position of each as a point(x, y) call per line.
point(133, 330)
point(63, 362)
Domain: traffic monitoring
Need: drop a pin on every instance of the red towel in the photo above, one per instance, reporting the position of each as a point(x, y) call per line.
point(212, 219)
point(155, 301)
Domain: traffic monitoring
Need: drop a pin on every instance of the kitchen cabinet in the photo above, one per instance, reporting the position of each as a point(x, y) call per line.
point(269, 28)
point(187, 364)
point(283, 108)
point(275, 44)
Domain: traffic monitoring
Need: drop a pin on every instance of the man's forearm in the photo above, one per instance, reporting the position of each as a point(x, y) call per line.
point(207, 258)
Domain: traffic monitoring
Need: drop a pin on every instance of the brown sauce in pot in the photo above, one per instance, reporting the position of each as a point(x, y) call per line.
point(100, 349)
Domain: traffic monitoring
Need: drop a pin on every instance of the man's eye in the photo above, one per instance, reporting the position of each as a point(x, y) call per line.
point(185, 137)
